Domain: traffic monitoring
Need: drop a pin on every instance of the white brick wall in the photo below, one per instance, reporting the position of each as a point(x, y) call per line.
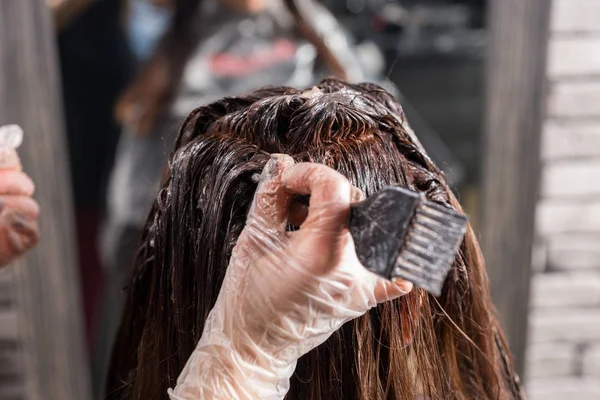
point(563, 358)
point(580, 217)
point(573, 388)
point(575, 16)
point(574, 99)
point(571, 139)
point(575, 325)
point(564, 289)
point(571, 179)
point(591, 362)
point(572, 252)
point(574, 56)
point(551, 360)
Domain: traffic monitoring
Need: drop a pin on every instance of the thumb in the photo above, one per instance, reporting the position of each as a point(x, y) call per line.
point(11, 137)
point(267, 218)
point(386, 290)
point(9, 159)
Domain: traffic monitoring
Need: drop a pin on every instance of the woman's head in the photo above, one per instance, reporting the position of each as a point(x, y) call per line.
point(418, 345)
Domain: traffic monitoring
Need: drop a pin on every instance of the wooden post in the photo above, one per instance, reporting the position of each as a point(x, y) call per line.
point(518, 31)
point(46, 304)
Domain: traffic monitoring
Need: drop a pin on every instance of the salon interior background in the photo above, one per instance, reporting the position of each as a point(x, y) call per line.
point(444, 57)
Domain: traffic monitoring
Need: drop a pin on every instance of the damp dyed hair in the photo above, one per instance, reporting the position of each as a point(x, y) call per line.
point(449, 347)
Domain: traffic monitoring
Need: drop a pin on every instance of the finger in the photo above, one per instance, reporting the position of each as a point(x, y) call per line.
point(356, 195)
point(17, 235)
point(325, 186)
point(321, 232)
point(16, 183)
point(386, 290)
point(271, 202)
point(22, 205)
point(23, 233)
point(299, 209)
point(9, 159)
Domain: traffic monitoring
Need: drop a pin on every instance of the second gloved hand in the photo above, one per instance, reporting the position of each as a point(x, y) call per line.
point(19, 213)
point(285, 292)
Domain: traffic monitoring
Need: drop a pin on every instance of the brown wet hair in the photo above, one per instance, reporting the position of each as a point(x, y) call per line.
point(450, 347)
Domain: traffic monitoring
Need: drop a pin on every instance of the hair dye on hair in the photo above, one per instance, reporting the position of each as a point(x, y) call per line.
point(417, 346)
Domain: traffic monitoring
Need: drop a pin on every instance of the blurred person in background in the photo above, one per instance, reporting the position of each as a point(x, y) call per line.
point(96, 64)
point(146, 22)
point(210, 49)
point(19, 213)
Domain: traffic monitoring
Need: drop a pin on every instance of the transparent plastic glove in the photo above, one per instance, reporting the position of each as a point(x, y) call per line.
point(284, 293)
point(18, 211)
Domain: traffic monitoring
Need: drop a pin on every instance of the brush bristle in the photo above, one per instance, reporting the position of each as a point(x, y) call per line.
point(430, 244)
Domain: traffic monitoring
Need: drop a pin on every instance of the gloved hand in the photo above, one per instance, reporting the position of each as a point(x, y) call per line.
point(18, 211)
point(284, 293)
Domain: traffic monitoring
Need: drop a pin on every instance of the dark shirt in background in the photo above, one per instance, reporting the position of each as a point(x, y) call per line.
point(95, 65)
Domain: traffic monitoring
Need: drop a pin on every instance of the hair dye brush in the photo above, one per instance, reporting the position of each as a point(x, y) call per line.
point(399, 234)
